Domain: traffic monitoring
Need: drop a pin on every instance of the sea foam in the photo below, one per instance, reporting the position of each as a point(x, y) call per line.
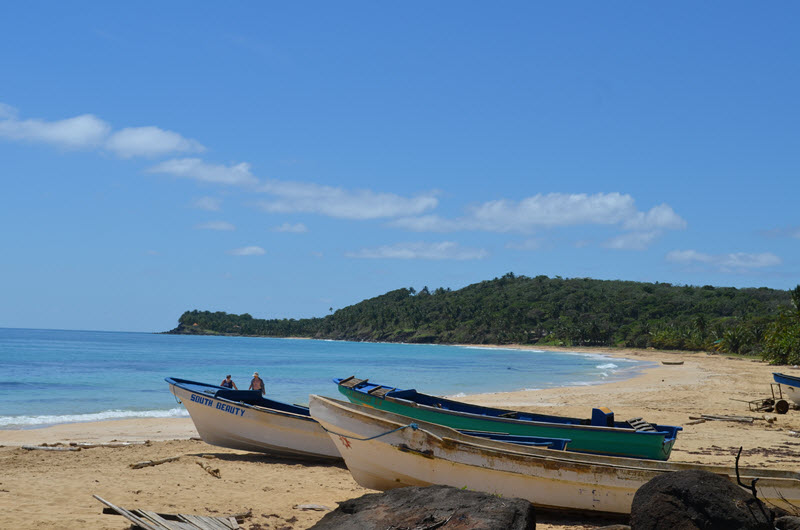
point(35, 421)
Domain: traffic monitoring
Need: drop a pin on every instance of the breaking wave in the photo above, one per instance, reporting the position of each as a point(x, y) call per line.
point(22, 422)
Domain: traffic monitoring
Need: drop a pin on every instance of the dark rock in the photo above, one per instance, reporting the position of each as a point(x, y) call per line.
point(432, 507)
point(788, 522)
point(696, 499)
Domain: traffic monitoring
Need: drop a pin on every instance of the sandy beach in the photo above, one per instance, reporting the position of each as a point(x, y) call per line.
point(47, 489)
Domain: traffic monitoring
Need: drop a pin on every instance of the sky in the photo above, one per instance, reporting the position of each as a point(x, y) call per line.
point(288, 159)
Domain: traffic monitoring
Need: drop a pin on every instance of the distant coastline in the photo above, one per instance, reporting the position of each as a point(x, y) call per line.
point(544, 312)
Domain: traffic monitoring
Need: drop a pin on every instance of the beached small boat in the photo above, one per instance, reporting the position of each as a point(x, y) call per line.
point(675, 363)
point(244, 419)
point(790, 384)
point(383, 450)
point(599, 434)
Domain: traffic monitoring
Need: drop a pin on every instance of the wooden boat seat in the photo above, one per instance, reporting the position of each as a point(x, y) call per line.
point(639, 424)
point(379, 391)
point(352, 382)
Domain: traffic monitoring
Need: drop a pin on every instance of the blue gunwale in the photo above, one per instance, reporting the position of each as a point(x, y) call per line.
point(247, 398)
point(786, 379)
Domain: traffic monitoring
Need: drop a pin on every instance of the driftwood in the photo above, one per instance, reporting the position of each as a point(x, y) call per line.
point(711, 417)
point(89, 445)
point(148, 463)
point(315, 507)
point(213, 472)
point(49, 448)
point(241, 516)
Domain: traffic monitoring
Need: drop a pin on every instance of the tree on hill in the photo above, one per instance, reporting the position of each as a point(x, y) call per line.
point(542, 310)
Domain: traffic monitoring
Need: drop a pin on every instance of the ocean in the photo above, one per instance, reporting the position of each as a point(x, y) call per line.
point(49, 377)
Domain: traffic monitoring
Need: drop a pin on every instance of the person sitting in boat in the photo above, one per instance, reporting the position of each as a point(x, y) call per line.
point(228, 383)
point(257, 384)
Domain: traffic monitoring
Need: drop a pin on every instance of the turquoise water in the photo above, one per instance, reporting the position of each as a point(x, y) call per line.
point(52, 376)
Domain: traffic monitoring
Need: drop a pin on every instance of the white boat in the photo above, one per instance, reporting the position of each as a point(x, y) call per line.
point(244, 419)
point(383, 450)
point(790, 384)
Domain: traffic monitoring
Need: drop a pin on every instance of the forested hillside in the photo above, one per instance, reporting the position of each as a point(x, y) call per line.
point(556, 311)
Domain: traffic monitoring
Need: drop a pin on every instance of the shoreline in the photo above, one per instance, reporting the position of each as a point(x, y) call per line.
point(182, 428)
point(22, 440)
point(55, 488)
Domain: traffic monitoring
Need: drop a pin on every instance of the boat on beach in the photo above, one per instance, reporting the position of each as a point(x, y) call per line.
point(384, 450)
point(246, 420)
point(600, 434)
point(790, 384)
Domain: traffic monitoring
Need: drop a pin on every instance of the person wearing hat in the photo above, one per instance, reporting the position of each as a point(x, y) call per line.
point(257, 384)
point(228, 383)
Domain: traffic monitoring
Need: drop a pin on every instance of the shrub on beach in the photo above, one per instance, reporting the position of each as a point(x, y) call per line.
point(782, 340)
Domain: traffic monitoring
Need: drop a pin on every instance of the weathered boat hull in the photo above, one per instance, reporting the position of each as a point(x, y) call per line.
point(790, 385)
point(380, 457)
point(595, 439)
point(238, 425)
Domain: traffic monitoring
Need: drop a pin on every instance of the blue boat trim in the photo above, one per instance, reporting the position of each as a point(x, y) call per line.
point(558, 444)
point(785, 379)
point(243, 398)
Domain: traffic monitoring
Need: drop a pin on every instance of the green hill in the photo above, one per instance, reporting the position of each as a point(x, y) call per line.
point(542, 310)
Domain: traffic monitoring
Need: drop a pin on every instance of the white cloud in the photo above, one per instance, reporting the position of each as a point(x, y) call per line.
point(733, 262)
point(661, 216)
point(195, 168)
point(81, 132)
point(445, 250)
point(548, 211)
point(247, 251)
point(298, 228)
point(553, 209)
point(632, 240)
point(292, 197)
point(216, 225)
point(210, 204)
point(150, 142)
point(90, 132)
point(689, 256)
point(430, 223)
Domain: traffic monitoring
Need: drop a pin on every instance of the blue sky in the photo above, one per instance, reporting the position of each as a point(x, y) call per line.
point(282, 159)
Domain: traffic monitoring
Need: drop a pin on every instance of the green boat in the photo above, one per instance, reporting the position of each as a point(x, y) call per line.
point(600, 434)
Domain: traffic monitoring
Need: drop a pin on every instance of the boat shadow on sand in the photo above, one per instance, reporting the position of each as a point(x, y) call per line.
point(263, 458)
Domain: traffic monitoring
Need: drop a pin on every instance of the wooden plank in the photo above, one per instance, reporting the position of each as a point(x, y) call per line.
point(352, 382)
point(233, 523)
point(128, 515)
point(220, 523)
point(201, 522)
point(158, 519)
